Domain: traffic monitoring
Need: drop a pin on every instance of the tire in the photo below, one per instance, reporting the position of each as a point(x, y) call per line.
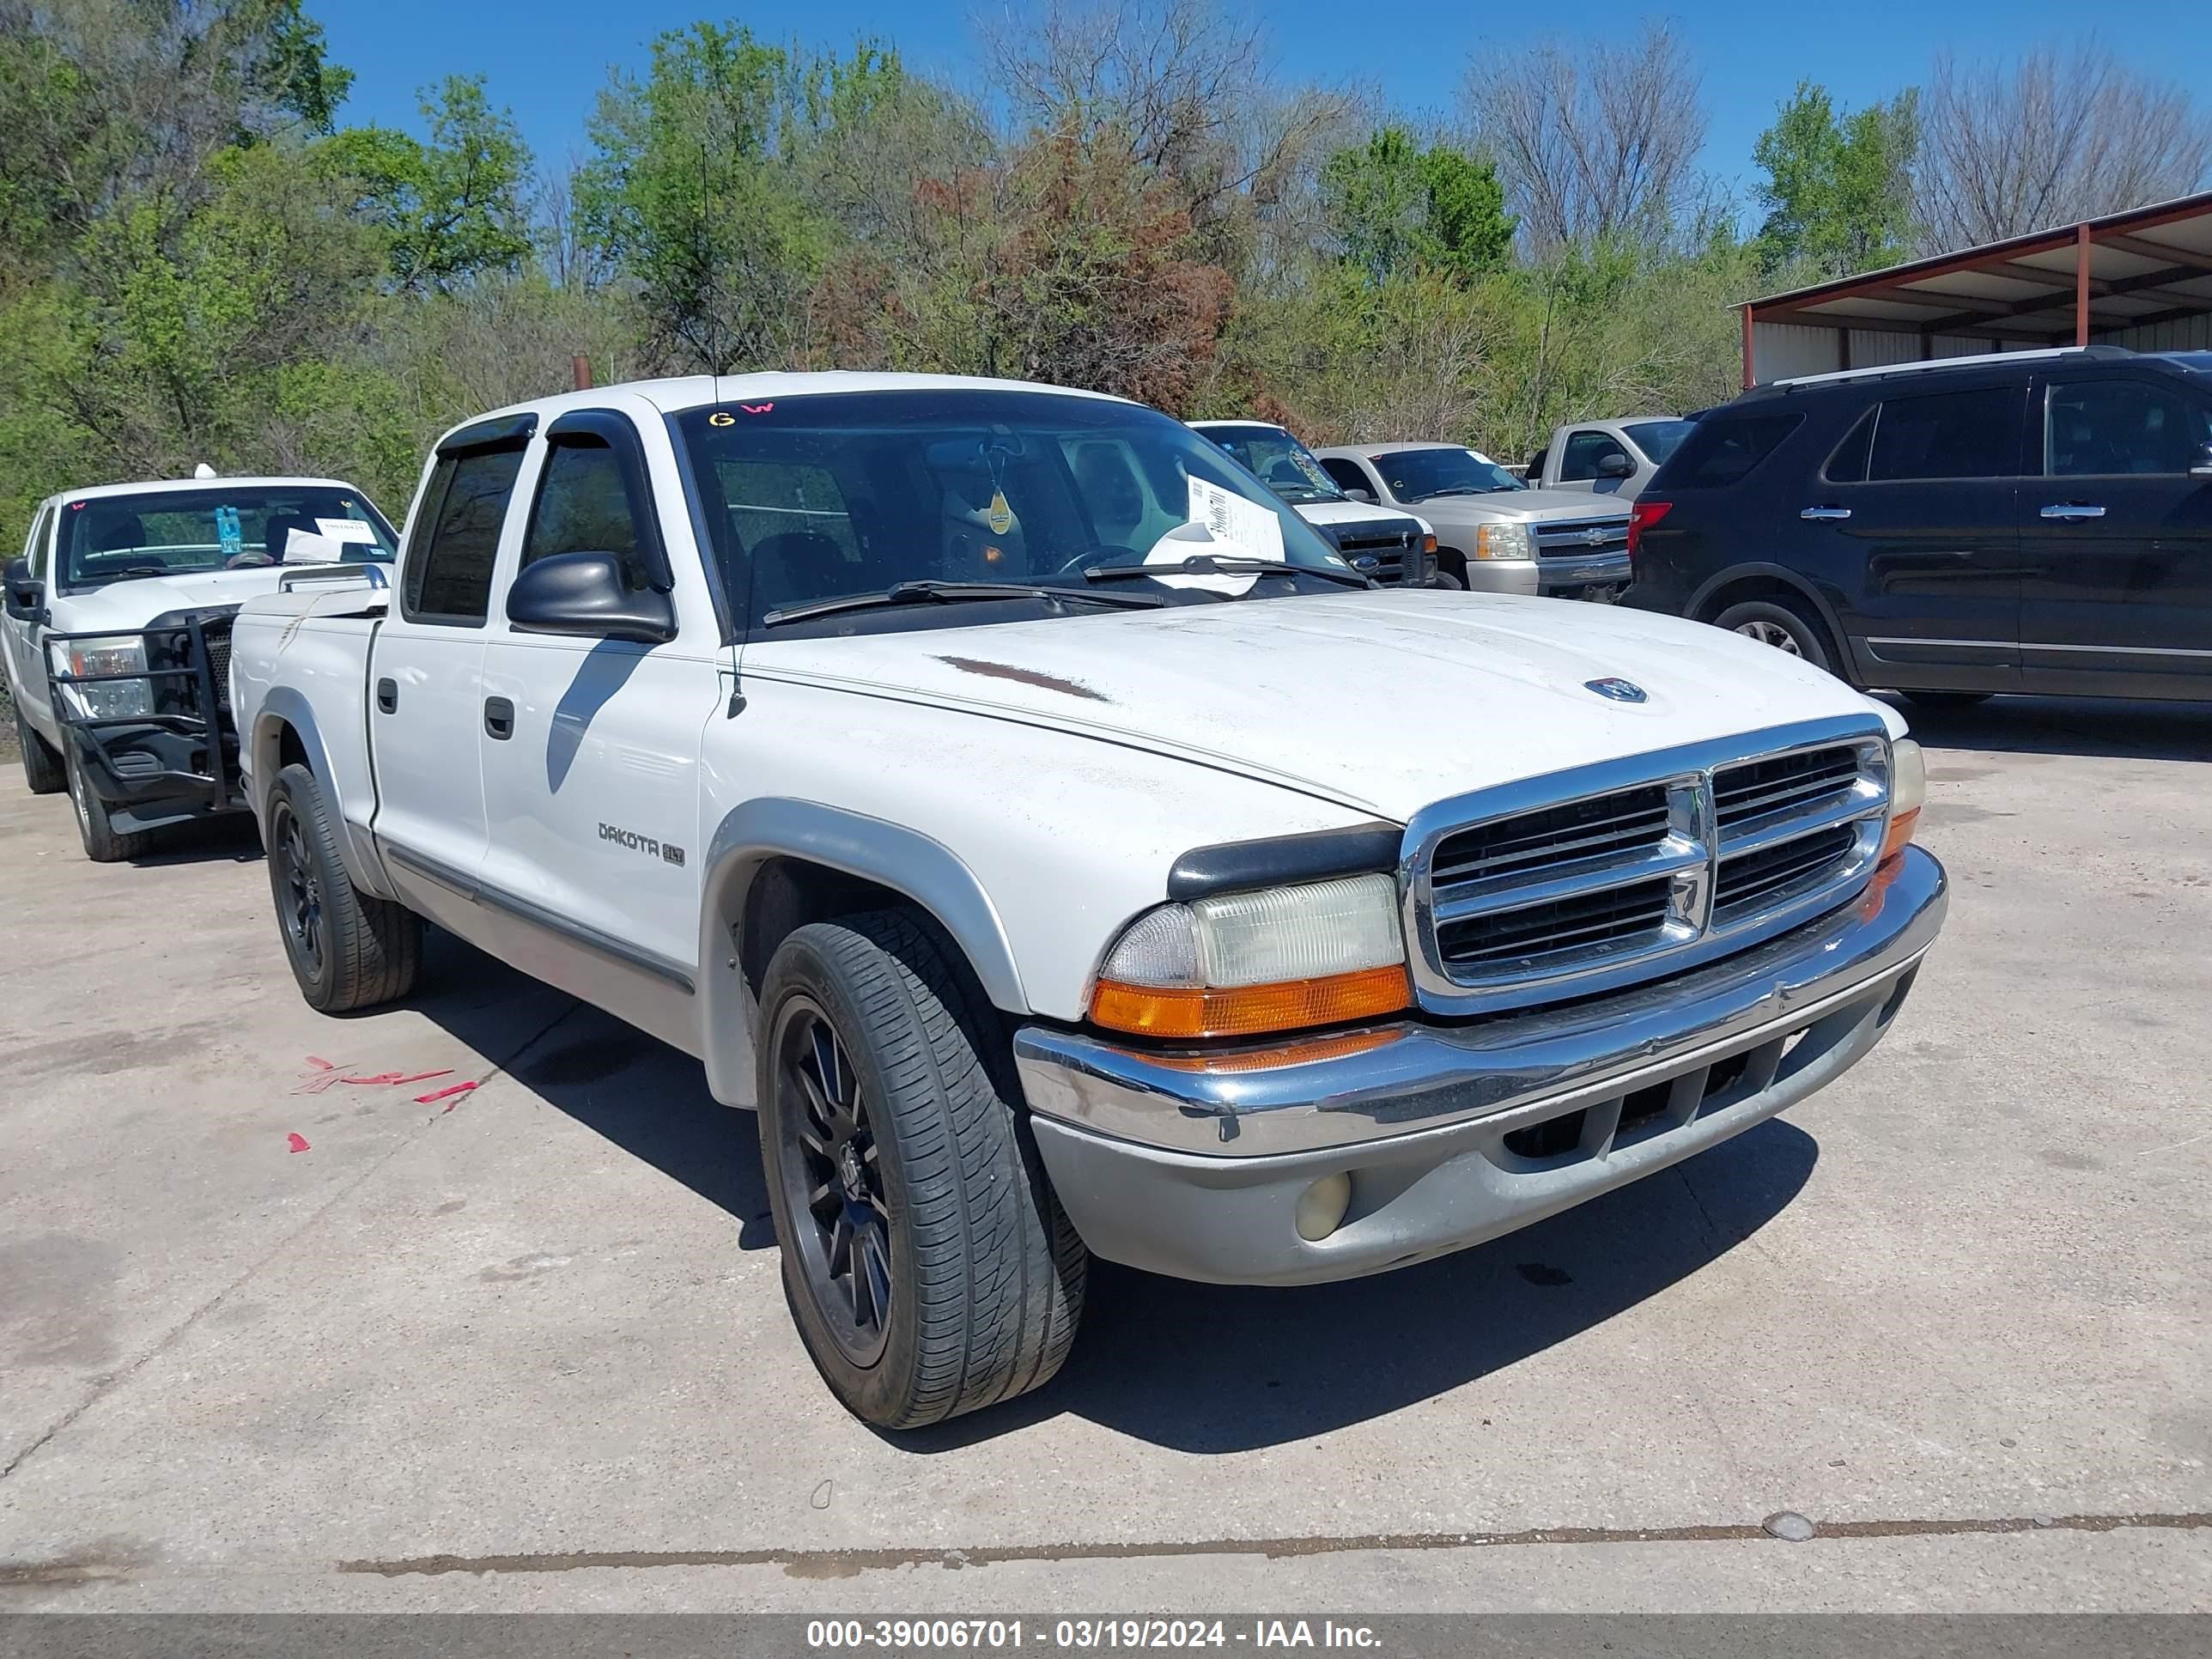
point(892, 1145)
point(103, 843)
point(42, 767)
point(1784, 626)
point(1947, 699)
point(1444, 579)
point(347, 950)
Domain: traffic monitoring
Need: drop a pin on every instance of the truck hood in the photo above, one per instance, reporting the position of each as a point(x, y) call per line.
point(1349, 512)
point(1520, 505)
point(125, 605)
point(1382, 700)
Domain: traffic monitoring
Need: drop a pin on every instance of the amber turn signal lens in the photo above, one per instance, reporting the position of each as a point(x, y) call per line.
point(1249, 1010)
point(1899, 835)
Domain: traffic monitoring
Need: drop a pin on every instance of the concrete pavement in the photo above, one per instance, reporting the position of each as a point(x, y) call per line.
point(533, 1352)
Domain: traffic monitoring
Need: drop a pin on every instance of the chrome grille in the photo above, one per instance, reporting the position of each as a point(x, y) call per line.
point(1632, 869)
point(1580, 537)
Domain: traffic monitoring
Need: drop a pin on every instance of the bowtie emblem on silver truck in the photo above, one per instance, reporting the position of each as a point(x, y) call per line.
point(1615, 690)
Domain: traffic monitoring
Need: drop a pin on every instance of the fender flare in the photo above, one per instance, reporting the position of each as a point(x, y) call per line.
point(891, 855)
point(1788, 579)
point(286, 705)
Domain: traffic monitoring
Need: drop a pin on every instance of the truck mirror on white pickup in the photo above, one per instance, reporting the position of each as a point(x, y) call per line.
point(26, 594)
point(587, 594)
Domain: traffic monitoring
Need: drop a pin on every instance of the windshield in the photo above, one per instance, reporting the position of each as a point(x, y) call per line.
point(1278, 461)
point(1659, 439)
point(1415, 474)
point(215, 527)
point(842, 494)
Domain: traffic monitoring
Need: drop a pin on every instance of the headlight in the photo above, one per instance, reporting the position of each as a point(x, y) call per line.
point(1246, 964)
point(120, 653)
point(1908, 793)
point(1503, 541)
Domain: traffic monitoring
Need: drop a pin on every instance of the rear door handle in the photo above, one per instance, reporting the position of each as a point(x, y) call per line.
point(387, 695)
point(499, 718)
point(2073, 510)
point(1825, 513)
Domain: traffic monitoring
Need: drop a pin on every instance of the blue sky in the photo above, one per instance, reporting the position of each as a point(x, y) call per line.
point(547, 59)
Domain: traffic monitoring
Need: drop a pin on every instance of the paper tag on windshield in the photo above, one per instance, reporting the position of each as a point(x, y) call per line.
point(1229, 517)
point(305, 547)
point(347, 529)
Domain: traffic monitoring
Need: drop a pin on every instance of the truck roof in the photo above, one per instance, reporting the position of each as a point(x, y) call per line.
point(677, 393)
point(168, 486)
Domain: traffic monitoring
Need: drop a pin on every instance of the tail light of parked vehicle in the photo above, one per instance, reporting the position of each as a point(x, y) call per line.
point(1642, 515)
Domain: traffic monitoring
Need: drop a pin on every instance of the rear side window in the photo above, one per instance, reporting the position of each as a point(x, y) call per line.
point(449, 575)
point(1722, 450)
point(1947, 435)
point(1849, 464)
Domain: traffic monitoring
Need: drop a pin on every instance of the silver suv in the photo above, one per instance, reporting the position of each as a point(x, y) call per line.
point(1494, 534)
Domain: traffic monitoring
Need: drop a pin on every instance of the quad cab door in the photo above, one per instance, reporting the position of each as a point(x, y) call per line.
point(426, 676)
point(2117, 537)
point(1915, 513)
point(591, 747)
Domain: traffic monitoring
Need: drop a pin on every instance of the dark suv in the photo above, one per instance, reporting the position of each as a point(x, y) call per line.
point(2033, 521)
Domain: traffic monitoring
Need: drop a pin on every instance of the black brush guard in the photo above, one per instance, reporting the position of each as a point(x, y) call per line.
point(179, 759)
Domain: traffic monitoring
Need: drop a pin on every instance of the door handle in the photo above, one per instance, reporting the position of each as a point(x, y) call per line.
point(1825, 513)
point(499, 718)
point(387, 697)
point(2070, 510)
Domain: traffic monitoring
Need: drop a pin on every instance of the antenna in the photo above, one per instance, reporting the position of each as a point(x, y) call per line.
point(707, 273)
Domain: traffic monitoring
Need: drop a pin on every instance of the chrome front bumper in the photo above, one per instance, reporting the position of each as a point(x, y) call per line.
point(1193, 1165)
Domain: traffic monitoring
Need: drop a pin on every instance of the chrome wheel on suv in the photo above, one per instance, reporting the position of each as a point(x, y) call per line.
point(1773, 634)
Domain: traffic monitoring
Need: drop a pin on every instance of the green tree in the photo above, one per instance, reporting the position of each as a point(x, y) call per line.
point(452, 208)
point(1838, 187)
point(1393, 205)
point(698, 189)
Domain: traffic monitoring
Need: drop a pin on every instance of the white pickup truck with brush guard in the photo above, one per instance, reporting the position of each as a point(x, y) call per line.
point(1026, 812)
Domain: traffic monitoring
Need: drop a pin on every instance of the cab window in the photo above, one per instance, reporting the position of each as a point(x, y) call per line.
point(584, 506)
point(448, 577)
point(1578, 462)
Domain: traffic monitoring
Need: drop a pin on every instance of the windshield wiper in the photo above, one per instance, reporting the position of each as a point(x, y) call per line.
point(939, 592)
point(1213, 564)
point(1460, 489)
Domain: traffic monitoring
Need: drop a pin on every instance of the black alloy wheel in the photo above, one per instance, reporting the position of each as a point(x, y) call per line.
point(834, 1187)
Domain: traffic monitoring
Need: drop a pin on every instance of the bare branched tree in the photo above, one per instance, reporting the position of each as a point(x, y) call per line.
point(1590, 140)
point(2058, 136)
point(1186, 87)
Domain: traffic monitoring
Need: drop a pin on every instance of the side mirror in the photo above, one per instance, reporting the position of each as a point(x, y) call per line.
point(1357, 495)
point(1614, 465)
point(2199, 468)
point(26, 594)
point(585, 595)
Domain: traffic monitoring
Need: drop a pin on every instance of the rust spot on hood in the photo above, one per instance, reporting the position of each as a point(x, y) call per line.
point(999, 670)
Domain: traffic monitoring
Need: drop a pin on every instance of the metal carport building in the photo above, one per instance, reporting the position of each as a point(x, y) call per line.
point(2142, 278)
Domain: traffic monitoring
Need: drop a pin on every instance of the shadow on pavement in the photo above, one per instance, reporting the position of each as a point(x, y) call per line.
point(634, 1091)
point(203, 841)
point(1198, 1368)
point(2100, 727)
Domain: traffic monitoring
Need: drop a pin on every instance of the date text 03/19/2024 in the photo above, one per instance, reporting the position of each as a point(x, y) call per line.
point(1259, 1635)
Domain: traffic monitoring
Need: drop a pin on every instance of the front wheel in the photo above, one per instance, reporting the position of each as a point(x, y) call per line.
point(928, 1267)
point(347, 950)
point(103, 843)
point(1782, 625)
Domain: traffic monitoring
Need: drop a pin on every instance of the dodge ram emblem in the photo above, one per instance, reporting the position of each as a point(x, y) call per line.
point(1616, 690)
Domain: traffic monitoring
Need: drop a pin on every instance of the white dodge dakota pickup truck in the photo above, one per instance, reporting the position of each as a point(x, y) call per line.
point(1001, 792)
